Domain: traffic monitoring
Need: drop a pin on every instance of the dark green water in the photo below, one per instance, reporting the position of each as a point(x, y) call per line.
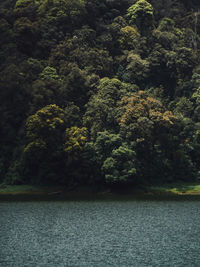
point(113, 233)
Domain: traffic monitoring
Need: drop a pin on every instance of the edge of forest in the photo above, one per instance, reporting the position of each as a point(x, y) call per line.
point(179, 191)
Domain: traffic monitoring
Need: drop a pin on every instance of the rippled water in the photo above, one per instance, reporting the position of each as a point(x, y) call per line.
point(131, 233)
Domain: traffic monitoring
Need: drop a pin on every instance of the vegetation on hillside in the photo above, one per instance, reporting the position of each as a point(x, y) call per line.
point(99, 92)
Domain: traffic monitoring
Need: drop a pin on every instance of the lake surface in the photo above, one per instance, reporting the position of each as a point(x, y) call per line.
point(101, 233)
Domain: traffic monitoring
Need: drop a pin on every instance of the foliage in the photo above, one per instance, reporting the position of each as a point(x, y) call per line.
point(44, 131)
point(129, 37)
point(99, 92)
point(49, 72)
point(24, 3)
point(141, 108)
point(141, 14)
point(120, 166)
point(102, 111)
point(45, 122)
point(75, 140)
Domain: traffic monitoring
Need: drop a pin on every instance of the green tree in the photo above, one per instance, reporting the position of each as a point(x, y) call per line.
point(63, 11)
point(129, 37)
point(26, 8)
point(120, 166)
point(137, 69)
point(184, 107)
point(103, 107)
point(49, 73)
point(113, 160)
point(141, 14)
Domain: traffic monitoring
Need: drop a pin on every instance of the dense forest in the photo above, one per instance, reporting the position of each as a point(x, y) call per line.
point(99, 92)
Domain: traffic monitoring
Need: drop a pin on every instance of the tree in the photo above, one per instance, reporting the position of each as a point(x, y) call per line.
point(74, 144)
point(148, 127)
point(184, 107)
point(115, 160)
point(137, 69)
point(129, 37)
point(75, 88)
point(44, 151)
point(120, 167)
point(184, 61)
point(63, 11)
point(75, 140)
point(26, 8)
point(141, 14)
point(102, 109)
point(46, 90)
point(45, 125)
point(141, 111)
point(49, 73)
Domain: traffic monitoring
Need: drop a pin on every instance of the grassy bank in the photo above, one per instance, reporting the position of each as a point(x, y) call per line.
point(176, 189)
point(29, 192)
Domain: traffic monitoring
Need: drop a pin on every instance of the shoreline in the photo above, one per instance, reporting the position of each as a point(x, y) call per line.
point(49, 193)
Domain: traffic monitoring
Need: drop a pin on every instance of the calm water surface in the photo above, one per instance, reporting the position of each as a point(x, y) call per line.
point(113, 233)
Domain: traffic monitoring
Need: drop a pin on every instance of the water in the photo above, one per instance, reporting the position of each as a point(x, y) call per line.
point(112, 233)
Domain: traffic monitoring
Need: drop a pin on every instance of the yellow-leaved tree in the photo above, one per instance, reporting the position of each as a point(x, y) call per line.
point(75, 141)
point(149, 127)
point(44, 150)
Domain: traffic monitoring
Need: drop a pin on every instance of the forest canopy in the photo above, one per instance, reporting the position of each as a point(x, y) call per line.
point(99, 92)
